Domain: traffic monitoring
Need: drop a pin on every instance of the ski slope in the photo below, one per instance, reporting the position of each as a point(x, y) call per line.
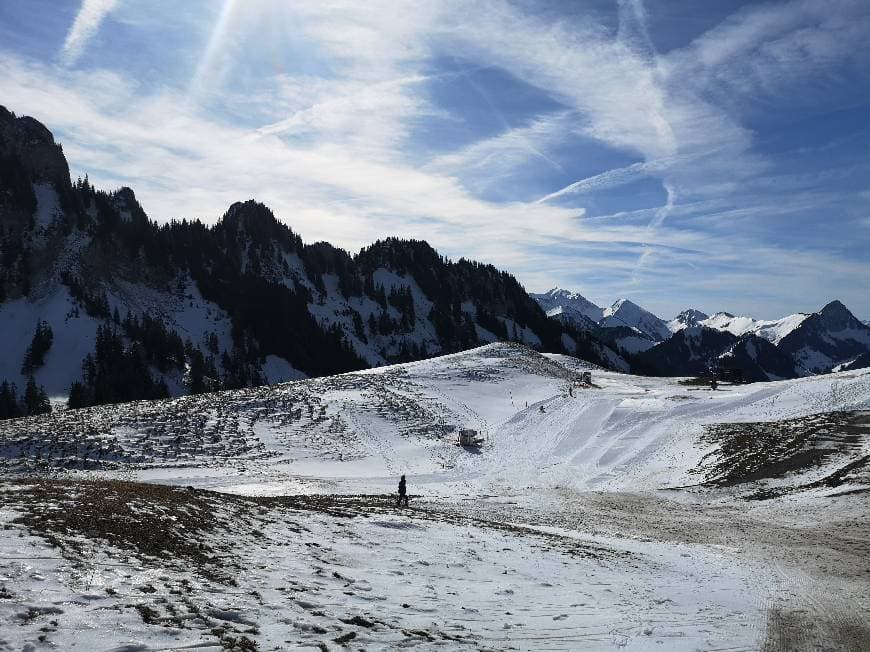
point(610, 516)
point(626, 433)
point(357, 432)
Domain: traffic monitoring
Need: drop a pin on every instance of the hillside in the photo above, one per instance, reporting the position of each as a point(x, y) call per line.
point(734, 518)
point(184, 307)
point(374, 424)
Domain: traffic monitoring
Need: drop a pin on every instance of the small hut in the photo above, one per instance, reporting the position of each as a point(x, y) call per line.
point(469, 437)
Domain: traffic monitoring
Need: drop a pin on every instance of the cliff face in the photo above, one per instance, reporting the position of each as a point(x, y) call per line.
point(32, 144)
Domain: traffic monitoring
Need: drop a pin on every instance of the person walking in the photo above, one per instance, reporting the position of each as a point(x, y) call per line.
point(403, 492)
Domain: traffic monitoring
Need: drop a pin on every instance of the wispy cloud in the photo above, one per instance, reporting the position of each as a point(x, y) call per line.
point(609, 179)
point(328, 137)
point(764, 49)
point(183, 163)
point(494, 158)
point(86, 24)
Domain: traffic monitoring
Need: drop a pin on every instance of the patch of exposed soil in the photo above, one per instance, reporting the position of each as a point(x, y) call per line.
point(792, 631)
point(171, 524)
point(757, 451)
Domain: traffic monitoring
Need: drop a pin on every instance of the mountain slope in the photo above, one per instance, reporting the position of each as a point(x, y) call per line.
point(240, 303)
point(688, 352)
point(571, 302)
point(624, 325)
point(687, 318)
point(627, 313)
point(404, 418)
point(826, 339)
point(861, 362)
point(266, 503)
point(771, 330)
point(758, 360)
point(625, 339)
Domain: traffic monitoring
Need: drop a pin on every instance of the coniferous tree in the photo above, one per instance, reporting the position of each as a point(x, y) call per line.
point(78, 396)
point(34, 358)
point(203, 375)
point(35, 400)
point(115, 373)
point(9, 406)
point(358, 327)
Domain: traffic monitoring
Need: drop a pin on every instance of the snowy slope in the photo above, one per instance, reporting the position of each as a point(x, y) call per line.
point(74, 333)
point(771, 330)
point(327, 573)
point(826, 339)
point(356, 432)
point(636, 343)
point(758, 360)
point(574, 307)
point(182, 309)
point(244, 297)
point(573, 301)
point(626, 313)
point(569, 315)
point(688, 318)
point(555, 534)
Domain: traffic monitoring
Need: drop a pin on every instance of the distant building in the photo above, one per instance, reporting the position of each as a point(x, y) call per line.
point(469, 437)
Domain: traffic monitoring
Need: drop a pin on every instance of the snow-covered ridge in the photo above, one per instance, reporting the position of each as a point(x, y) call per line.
point(627, 313)
point(566, 300)
point(771, 330)
point(624, 312)
point(805, 343)
point(687, 318)
point(404, 419)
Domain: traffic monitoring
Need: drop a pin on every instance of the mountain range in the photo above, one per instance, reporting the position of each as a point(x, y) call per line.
point(692, 343)
point(100, 304)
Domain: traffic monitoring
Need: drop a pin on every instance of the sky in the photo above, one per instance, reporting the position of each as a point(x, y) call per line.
point(678, 153)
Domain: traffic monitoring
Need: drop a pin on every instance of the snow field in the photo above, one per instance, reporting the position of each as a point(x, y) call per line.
point(555, 534)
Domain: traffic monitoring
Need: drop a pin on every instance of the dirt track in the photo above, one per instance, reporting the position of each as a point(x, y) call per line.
point(817, 579)
point(818, 553)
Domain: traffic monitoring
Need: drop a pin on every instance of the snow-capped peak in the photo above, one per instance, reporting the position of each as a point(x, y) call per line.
point(619, 303)
point(687, 318)
point(560, 293)
point(835, 316)
point(627, 313)
point(771, 330)
point(568, 301)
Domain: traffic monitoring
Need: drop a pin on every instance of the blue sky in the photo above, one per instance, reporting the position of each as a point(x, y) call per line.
point(674, 152)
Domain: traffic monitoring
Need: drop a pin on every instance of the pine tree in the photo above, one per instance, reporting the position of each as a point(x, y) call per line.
point(358, 327)
point(9, 406)
point(35, 399)
point(78, 396)
point(197, 372)
point(34, 358)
